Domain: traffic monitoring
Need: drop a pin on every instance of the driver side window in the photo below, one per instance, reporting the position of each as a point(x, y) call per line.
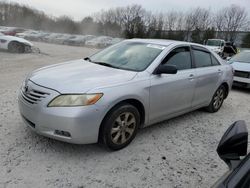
point(180, 57)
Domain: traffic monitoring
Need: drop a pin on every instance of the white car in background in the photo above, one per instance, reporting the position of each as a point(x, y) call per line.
point(217, 45)
point(241, 65)
point(14, 44)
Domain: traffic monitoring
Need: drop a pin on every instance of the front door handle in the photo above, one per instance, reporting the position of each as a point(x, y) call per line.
point(219, 71)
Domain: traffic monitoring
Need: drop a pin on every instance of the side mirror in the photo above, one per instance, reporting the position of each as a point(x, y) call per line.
point(233, 144)
point(228, 58)
point(166, 69)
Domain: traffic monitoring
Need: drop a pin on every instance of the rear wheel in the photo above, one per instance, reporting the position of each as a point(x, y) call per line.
point(120, 126)
point(16, 47)
point(217, 99)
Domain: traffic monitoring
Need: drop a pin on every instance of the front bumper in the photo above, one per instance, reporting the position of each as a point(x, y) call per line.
point(82, 123)
point(241, 82)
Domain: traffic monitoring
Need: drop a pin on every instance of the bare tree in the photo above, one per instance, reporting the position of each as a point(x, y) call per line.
point(171, 20)
point(230, 20)
point(189, 24)
point(134, 21)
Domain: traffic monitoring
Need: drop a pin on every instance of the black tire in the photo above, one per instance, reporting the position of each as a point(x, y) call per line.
point(110, 124)
point(217, 100)
point(16, 47)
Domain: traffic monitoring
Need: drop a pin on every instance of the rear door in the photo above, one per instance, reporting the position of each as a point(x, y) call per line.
point(208, 75)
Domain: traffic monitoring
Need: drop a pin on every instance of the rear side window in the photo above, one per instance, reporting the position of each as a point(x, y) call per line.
point(180, 57)
point(202, 59)
point(214, 61)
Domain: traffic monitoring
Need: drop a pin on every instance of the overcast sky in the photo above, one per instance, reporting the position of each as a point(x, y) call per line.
point(78, 9)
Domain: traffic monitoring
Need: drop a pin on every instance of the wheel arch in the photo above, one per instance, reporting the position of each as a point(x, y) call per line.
point(19, 42)
point(135, 102)
point(225, 84)
point(14, 41)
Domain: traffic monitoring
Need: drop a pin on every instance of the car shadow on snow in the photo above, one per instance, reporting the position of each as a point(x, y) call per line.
point(241, 89)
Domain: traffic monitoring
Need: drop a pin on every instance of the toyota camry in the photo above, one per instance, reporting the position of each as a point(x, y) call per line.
point(108, 96)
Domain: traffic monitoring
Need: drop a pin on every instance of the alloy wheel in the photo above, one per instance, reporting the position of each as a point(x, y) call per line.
point(123, 128)
point(218, 98)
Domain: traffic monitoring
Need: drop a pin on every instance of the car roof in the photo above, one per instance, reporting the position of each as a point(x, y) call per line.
point(216, 39)
point(164, 42)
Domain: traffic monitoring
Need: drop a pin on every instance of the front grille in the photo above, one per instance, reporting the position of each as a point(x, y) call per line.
point(241, 74)
point(33, 96)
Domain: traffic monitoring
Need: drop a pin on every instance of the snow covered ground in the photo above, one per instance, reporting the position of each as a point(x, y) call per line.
point(176, 153)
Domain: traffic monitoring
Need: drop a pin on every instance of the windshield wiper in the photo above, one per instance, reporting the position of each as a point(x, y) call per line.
point(105, 64)
point(100, 63)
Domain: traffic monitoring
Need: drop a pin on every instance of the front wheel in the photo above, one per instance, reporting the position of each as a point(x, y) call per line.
point(16, 47)
point(217, 100)
point(120, 126)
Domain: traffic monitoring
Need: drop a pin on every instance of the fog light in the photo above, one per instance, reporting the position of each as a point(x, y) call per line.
point(62, 133)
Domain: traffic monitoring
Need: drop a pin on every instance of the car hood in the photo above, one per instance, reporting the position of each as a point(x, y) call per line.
point(13, 38)
point(79, 76)
point(241, 66)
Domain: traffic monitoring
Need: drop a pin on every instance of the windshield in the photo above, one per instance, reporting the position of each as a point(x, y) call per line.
point(129, 55)
point(213, 42)
point(243, 57)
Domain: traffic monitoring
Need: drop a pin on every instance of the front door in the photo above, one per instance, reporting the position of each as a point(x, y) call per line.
point(173, 93)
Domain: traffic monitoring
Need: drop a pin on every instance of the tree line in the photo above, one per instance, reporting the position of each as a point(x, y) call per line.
point(133, 21)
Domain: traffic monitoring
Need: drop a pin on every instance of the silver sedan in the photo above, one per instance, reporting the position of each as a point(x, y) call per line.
point(108, 96)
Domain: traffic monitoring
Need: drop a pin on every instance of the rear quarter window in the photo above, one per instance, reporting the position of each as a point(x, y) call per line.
point(215, 62)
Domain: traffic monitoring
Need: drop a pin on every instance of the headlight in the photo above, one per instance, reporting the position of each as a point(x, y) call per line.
point(75, 100)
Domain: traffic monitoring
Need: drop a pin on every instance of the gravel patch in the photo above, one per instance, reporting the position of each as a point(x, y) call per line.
point(180, 152)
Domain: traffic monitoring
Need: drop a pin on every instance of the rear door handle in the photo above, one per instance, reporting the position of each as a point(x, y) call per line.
point(219, 71)
point(191, 77)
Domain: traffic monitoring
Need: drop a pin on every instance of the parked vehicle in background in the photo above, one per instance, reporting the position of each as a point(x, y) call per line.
point(13, 31)
point(222, 48)
point(99, 42)
point(14, 44)
point(241, 65)
point(108, 96)
point(232, 149)
point(217, 45)
point(230, 50)
point(25, 34)
point(79, 40)
point(62, 38)
point(114, 41)
point(37, 36)
point(51, 37)
point(2, 29)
